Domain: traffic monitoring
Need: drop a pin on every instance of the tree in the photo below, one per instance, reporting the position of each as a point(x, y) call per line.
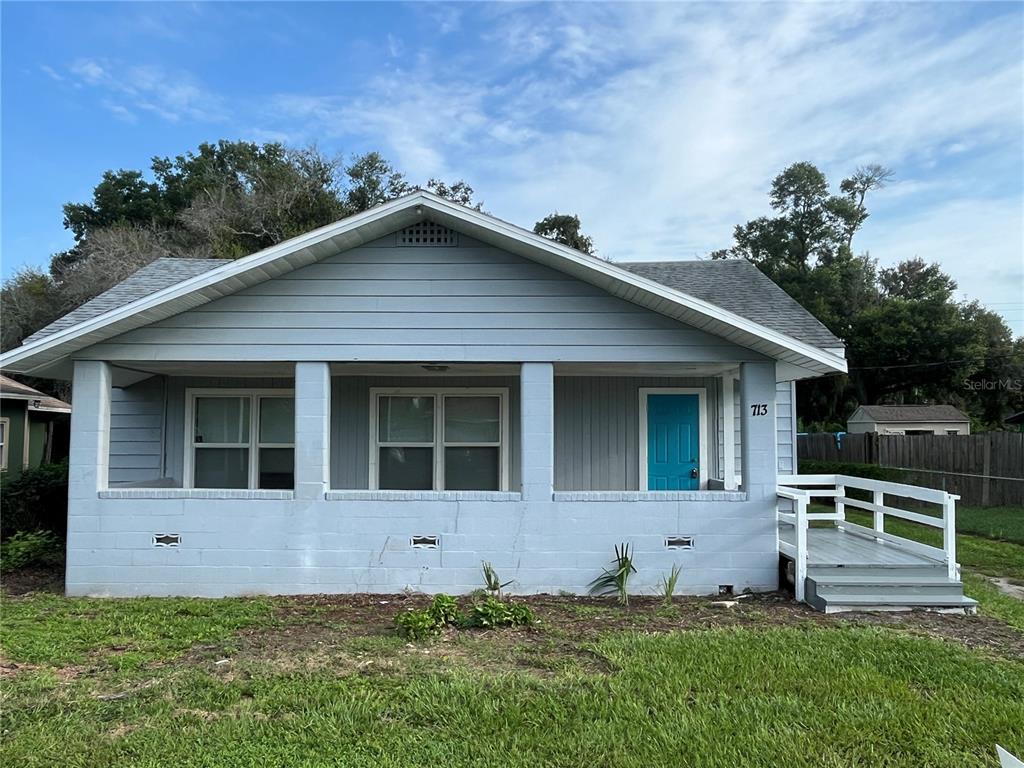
point(864, 179)
point(372, 181)
point(564, 229)
point(458, 192)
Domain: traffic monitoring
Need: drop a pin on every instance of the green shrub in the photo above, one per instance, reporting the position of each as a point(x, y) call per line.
point(494, 585)
point(417, 625)
point(668, 584)
point(867, 471)
point(444, 610)
point(35, 548)
point(492, 613)
point(35, 500)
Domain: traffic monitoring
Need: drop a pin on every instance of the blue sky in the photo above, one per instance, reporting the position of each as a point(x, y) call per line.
point(661, 125)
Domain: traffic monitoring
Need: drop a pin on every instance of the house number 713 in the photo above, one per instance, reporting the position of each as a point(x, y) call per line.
point(759, 409)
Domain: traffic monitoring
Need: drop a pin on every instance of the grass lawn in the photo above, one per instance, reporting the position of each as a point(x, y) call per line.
point(1003, 523)
point(325, 682)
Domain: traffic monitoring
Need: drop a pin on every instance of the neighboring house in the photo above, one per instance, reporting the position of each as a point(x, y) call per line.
point(33, 427)
point(385, 402)
point(909, 420)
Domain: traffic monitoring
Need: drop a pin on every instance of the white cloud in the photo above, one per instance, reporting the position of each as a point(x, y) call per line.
point(131, 89)
point(663, 124)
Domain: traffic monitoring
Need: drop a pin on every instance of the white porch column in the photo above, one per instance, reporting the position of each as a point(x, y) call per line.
point(728, 431)
point(89, 455)
point(757, 419)
point(537, 433)
point(312, 430)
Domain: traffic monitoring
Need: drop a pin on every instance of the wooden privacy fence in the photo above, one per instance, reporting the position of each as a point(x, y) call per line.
point(985, 470)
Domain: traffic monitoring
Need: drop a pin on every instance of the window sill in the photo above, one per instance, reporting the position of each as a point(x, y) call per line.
point(650, 496)
point(194, 493)
point(356, 495)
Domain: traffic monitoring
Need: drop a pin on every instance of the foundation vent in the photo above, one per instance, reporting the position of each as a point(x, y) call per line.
point(427, 234)
point(166, 539)
point(679, 542)
point(423, 542)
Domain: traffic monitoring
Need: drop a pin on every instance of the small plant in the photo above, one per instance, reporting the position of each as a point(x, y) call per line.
point(616, 579)
point(494, 585)
point(417, 625)
point(36, 548)
point(491, 613)
point(668, 584)
point(445, 610)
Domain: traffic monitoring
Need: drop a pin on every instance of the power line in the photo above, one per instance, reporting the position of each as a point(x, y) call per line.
point(981, 359)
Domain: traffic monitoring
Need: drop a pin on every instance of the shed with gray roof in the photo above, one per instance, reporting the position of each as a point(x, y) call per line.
point(909, 420)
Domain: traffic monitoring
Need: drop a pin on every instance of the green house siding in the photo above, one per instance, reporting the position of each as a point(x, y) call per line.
point(14, 412)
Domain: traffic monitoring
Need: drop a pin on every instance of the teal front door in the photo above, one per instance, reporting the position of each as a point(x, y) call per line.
point(673, 442)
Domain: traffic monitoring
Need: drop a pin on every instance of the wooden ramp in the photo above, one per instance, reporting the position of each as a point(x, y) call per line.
point(848, 571)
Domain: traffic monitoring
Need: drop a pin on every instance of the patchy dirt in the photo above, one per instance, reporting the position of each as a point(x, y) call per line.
point(27, 580)
point(355, 633)
point(1008, 587)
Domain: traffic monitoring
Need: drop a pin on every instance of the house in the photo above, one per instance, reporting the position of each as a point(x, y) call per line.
point(33, 427)
point(909, 420)
point(387, 401)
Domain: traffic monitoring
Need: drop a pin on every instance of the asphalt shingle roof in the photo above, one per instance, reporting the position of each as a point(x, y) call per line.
point(884, 413)
point(735, 285)
point(738, 286)
point(155, 276)
point(15, 389)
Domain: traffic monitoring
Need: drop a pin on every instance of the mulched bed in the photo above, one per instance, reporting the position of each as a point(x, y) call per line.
point(304, 622)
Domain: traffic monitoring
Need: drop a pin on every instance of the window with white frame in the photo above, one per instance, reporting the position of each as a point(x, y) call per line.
point(241, 439)
point(442, 439)
point(5, 431)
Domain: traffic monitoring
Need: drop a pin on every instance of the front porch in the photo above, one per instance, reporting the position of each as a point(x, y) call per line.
point(188, 481)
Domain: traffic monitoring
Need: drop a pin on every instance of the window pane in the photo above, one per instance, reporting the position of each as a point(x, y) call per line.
point(472, 419)
point(277, 420)
point(406, 419)
point(221, 468)
point(222, 420)
point(277, 468)
point(406, 469)
point(471, 469)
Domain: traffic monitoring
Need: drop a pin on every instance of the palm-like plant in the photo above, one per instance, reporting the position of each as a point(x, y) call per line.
point(615, 580)
point(668, 584)
point(491, 580)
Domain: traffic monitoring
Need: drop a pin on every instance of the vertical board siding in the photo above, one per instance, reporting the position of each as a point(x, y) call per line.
point(350, 421)
point(786, 442)
point(597, 429)
point(136, 432)
point(375, 302)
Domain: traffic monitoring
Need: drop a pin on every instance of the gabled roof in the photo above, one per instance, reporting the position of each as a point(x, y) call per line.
point(44, 351)
point(37, 401)
point(740, 287)
point(155, 276)
point(911, 413)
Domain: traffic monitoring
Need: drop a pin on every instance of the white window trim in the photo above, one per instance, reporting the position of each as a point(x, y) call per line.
point(6, 423)
point(254, 443)
point(702, 441)
point(439, 443)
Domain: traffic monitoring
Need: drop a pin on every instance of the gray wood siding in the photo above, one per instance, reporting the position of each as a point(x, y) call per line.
point(784, 415)
point(597, 429)
point(379, 302)
point(136, 432)
point(350, 421)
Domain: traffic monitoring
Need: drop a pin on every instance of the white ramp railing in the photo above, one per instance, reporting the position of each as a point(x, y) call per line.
point(800, 491)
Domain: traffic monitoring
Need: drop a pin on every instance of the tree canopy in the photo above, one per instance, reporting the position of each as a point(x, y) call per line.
point(565, 229)
point(908, 339)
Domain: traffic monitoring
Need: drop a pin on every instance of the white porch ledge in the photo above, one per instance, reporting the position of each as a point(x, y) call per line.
point(193, 493)
point(356, 495)
point(650, 496)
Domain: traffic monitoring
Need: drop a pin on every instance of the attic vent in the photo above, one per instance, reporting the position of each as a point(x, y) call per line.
point(427, 234)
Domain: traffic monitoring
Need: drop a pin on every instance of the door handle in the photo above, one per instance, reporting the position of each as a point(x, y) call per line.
point(694, 473)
